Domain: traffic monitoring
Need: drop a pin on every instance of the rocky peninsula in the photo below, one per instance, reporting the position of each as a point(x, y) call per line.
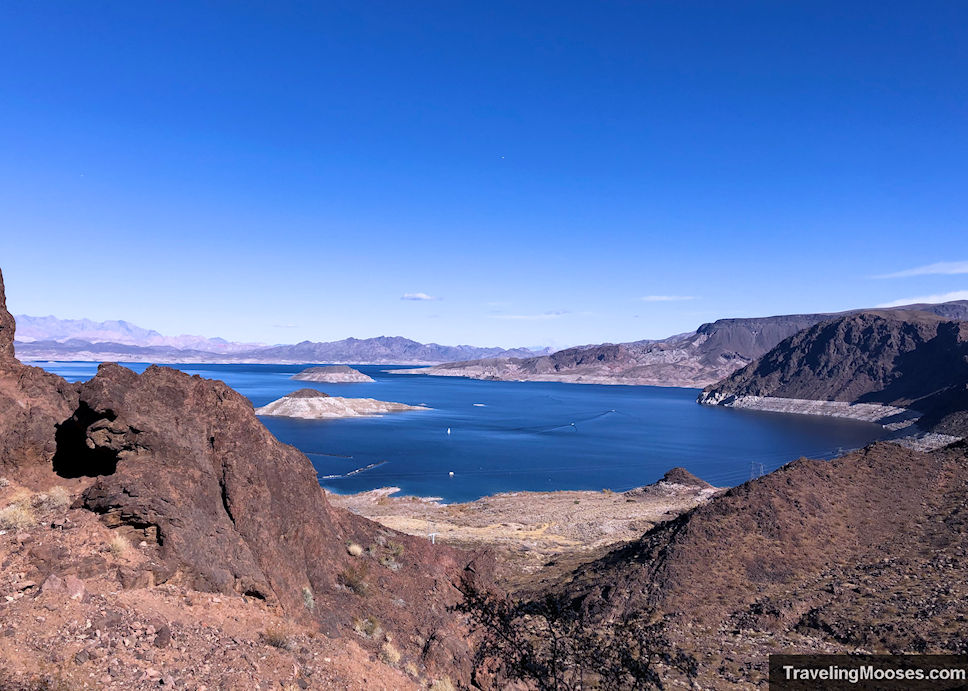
point(310, 404)
point(333, 374)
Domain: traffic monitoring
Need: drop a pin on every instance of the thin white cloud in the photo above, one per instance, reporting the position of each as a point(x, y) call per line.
point(529, 317)
point(937, 269)
point(929, 299)
point(417, 296)
point(666, 298)
point(284, 326)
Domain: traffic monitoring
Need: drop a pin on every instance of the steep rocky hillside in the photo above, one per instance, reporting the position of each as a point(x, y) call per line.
point(902, 359)
point(869, 551)
point(696, 359)
point(182, 466)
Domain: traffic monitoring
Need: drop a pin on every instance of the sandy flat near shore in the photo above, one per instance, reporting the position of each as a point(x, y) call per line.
point(531, 530)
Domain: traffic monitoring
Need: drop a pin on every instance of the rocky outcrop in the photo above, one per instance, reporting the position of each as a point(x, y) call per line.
point(697, 359)
point(310, 404)
point(32, 403)
point(885, 366)
point(182, 464)
point(333, 374)
point(7, 326)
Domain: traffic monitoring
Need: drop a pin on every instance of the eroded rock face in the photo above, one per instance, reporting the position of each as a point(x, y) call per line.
point(183, 462)
point(7, 326)
point(32, 403)
point(234, 509)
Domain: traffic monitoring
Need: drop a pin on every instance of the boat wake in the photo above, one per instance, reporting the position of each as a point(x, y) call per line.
point(353, 472)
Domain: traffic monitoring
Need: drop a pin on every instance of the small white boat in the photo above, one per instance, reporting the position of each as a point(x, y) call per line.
point(448, 432)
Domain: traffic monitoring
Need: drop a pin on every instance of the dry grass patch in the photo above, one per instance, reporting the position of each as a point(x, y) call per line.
point(18, 515)
point(389, 654)
point(443, 684)
point(277, 637)
point(368, 627)
point(119, 545)
point(354, 578)
point(354, 549)
point(54, 499)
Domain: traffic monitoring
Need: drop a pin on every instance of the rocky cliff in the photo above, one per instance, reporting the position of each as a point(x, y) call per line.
point(183, 465)
point(715, 350)
point(902, 359)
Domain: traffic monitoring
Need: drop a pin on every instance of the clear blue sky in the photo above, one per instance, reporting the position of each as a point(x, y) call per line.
point(280, 171)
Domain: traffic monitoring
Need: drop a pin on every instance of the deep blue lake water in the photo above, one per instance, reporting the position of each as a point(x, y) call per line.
point(508, 436)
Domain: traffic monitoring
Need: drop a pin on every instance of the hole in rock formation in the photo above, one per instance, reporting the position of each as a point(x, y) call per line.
point(74, 455)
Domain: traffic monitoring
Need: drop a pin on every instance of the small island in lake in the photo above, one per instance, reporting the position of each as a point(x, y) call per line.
point(333, 374)
point(311, 404)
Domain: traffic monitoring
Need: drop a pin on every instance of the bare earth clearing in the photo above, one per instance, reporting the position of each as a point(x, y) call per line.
point(534, 530)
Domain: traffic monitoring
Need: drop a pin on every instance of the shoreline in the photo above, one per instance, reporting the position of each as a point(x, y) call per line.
point(901, 422)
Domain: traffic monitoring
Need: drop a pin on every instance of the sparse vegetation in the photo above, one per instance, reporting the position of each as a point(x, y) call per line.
point(54, 499)
point(277, 638)
point(607, 491)
point(553, 645)
point(443, 684)
point(354, 549)
point(119, 545)
point(368, 627)
point(17, 516)
point(389, 654)
point(390, 563)
point(309, 599)
point(396, 549)
point(354, 578)
point(411, 669)
point(4, 482)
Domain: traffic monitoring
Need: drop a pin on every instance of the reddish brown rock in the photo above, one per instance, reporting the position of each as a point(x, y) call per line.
point(183, 464)
point(32, 403)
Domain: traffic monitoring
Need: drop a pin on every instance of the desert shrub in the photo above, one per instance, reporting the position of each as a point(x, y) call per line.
point(396, 549)
point(389, 654)
point(551, 644)
point(277, 638)
point(354, 578)
point(607, 491)
point(17, 516)
point(411, 669)
point(54, 499)
point(4, 482)
point(354, 549)
point(443, 684)
point(368, 627)
point(119, 545)
point(308, 599)
point(390, 563)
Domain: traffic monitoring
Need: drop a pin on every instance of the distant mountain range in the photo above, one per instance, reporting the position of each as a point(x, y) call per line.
point(34, 329)
point(695, 359)
point(50, 338)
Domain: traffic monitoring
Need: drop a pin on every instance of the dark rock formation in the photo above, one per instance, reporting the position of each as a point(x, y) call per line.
point(307, 393)
point(32, 403)
point(681, 476)
point(900, 358)
point(7, 326)
point(184, 464)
